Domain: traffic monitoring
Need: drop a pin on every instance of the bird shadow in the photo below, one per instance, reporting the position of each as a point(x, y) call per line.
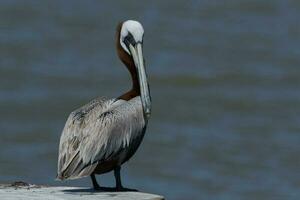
point(111, 191)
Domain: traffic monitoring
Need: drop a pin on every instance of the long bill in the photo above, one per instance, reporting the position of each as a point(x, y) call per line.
point(138, 59)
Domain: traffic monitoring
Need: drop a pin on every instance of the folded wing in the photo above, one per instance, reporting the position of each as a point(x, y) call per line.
point(98, 132)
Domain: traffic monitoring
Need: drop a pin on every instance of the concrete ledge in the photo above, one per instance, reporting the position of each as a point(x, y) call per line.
point(24, 191)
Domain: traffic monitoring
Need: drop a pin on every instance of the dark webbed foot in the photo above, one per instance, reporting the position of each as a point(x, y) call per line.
point(114, 189)
point(105, 189)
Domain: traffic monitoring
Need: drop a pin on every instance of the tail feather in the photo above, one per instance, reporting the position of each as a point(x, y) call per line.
point(76, 169)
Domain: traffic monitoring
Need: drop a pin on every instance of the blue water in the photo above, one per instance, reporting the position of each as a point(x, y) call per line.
point(224, 80)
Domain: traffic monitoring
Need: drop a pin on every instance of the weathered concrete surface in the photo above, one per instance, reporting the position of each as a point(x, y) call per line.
point(33, 192)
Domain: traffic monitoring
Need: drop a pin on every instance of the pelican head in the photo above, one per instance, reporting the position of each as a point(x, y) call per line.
point(131, 40)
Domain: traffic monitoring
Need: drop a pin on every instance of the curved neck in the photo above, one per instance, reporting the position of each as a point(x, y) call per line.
point(129, 63)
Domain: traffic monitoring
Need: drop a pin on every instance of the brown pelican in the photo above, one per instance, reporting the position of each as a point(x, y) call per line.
point(103, 134)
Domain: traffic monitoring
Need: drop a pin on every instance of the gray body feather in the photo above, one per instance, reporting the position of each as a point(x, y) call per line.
point(102, 131)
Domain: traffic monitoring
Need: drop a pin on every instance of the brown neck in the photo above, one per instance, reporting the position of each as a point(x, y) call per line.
point(129, 63)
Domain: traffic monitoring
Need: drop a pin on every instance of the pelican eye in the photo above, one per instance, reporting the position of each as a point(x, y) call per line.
point(129, 39)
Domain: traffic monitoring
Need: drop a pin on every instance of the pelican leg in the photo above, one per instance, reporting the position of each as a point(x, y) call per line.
point(119, 186)
point(94, 181)
point(118, 178)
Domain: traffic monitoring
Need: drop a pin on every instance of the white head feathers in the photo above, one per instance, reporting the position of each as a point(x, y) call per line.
point(135, 29)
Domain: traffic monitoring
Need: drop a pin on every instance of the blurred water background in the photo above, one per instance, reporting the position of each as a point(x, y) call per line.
point(224, 79)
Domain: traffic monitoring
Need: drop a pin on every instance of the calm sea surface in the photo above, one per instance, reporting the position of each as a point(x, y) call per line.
point(224, 77)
